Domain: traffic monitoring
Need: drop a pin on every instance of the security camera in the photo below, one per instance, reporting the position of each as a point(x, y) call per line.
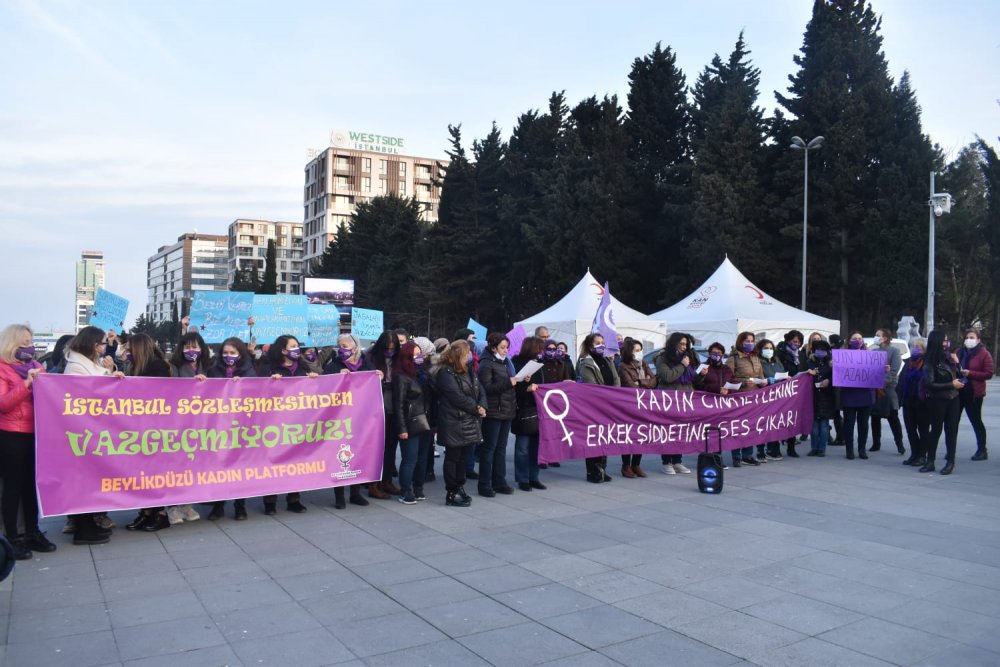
point(938, 211)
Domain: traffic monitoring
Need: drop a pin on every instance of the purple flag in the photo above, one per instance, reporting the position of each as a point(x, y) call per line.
point(604, 323)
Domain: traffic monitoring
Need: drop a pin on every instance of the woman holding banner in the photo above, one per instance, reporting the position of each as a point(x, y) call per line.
point(380, 357)
point(461, 406)
point(857, 404)
point(771, 365)
point(348, 359)
point(234, 361)
point(18, 370)
point(496, 375)
point(674, 370)
point(749, 374)
point(191, 356)
point(594, 368)
point(942, 383)
point(633, 373)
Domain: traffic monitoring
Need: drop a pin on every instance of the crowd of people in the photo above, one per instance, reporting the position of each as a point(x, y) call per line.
point(444, 393)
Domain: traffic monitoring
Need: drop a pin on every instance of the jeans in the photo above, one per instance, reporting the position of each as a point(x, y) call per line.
point(493, 454)
point(917, 421)
point(894, 425)
point(742, 453)
point(670, 458)
point(820, 435)
point(425, 459)
point(454, 467)
point(471, 454)
point(17, 466)
point(526, 458)
point(973, 407)
point(862, 417)
point(945, 414)
point(631, 460)
point(389, 453)
point(408, 463)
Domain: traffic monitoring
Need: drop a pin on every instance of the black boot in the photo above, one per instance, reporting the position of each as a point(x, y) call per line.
point(791, 450)
point(86, 531)
point(850, 450)
point(356, 498)
point(339, 502)
point(876, 447)
point(456, 500)
point(21, 550)
point(980, 455)
point(900, 449)
point(240, 510)
point(218, 510)
point(949, 465)
point(35, 540)
point(929, 466)
point(862, 454)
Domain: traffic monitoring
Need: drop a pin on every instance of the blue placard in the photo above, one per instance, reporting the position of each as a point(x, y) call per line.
point(324, 324)
point(221, 315)
point(366, 324)
point(480, 332)
point(279, 315)
point(109, 311)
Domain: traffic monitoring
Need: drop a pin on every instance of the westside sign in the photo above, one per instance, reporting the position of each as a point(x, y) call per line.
point(581, 420)
point(367, 141)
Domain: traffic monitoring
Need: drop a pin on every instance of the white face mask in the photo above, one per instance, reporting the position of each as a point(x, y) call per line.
point(971, 343)
point(767, 354)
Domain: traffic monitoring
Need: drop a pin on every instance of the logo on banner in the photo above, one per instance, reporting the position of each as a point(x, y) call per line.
point(561, 417)
point(759, 295)
point(344, 455)
point(702, 297)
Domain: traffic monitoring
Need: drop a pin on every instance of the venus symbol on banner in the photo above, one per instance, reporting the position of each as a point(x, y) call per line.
point(568, 437)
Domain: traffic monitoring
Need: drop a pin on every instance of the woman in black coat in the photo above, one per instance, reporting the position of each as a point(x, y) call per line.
point(348, 359)
point(525, 425)
point(496, 375)
point(461, 407)
point(824, 404)
point(380, 357)
point(411, 408)
point(942, 384)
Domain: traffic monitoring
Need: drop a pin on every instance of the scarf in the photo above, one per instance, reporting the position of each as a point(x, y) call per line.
point(353, 365)
point(602, 363)
point(22, 369)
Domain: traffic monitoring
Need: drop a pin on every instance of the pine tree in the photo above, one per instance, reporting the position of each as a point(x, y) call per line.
point(991, 232)
point(269, 285)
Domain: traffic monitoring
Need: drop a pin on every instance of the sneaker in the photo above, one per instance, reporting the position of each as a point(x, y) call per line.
point(70, 526)
point(157, 522)
point(774, 457)
point(762, 458)
point(104, 521)
point(174, 516)
point(537, 485)
point(736, 463)
point(668, 469)
point(419, 495)
point(813, 452)
point(750, 461)
point(407, 498)
point(681, 468)
point(36, 542)
point(189, 513)
point(21, 550)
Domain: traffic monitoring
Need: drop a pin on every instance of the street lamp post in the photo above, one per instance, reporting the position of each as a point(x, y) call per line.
point(939, 204)
point(800, 145)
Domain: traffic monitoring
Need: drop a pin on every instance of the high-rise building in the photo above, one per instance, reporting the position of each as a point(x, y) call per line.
point(89, 277)
point(248, 247)
point(196, 262)
point(358, 167)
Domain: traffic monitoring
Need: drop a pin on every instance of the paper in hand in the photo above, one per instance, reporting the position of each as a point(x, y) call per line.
point(529, 369)
point(781, 376)
point(702, 369)
point(732, 386)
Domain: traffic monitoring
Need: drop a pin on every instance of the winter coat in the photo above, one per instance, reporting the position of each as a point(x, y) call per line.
point(301, 370)
point(771, 368)
point(824, 401)
point(894, 361)
point(410, 399)
point(979, 363)
point(526, 420)
point(494, 376)
point(856, 397)
point(335, 365)
point(459, 400)
point(156, 368)
point(636, 374)
point(790, 361)
point(908, 390)
point(244, 370)
point(185, 371)
point(77, 364)
point(745, 367)
point(938, 381)
point(17, 405)
point(714, 379)
point(671, 375)
point(590, 373)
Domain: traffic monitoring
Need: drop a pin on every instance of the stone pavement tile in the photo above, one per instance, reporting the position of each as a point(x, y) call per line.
point(264, 621)
point(668, 648)
point(278, 546)
point(86, 650)
point(613, 587)
point(576, 541)
point(283, 566)
point(214, 656)
point(395, 572)
point(742, 635)
point(671, 608)
point(127, 545)
point(541, 528)
point(111, 568)
point(61, 595)
point(242, 571)
point(733, 591)
point(560, 568)
point(334, 608)
point(462, 560)
point(159, 639)
point(386, 634)
point(364, 555)
point(968, 597)
point(589, 659)
point(956, 569)
point(525, 644)
point(622, 556)
point(144, 585)
point(35, 575)
point(852, 568)
point(320, 584)
point(231, 597)
point(430, 592)
point(433, 544)
point(888, 641)
point(942, 620)
point(39, 626)
point(544, 601)
point(600, 626)
point(673, 573)
point(308, 648)
point(810, 617)
point(457, 619)
point(447, 653)
point(852, 595)
point(817, 653)
point(518, 549)
point(959, 654)
point(501, 579)
point(193, 558)
point(154, 608)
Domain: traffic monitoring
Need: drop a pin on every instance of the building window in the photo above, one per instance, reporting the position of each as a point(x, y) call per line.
point(366, 184)
point(383, 166)
point(368, 164)
point(402, 188)
point(402, 169)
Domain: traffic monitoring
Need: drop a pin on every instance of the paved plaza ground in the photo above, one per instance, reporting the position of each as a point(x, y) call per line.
point(799, 562)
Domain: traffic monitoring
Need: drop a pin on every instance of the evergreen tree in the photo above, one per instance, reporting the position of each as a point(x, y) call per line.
point(143, 325)
point(244, 281)
point(269, 285)
point(991, 230)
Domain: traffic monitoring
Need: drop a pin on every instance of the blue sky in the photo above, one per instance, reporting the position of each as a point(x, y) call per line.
point(125, 124)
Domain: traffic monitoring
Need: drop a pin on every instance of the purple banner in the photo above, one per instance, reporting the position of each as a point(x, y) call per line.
point(112, 444)
point(859, 368)
point(580, 420)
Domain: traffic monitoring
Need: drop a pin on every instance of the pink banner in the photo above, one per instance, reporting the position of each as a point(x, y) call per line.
point(859, 368)
point(581, 420)
point(112, 444)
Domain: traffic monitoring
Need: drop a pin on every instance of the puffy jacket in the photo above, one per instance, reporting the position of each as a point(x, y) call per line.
point(979, 363)
point(459, 399)
point(637, 375)
point(77, 364)
point(494, 376)
point(218, 369)
point(744, 367)
point(824, 401)
point(17, 405)
point(526, 422)
point(409, 399)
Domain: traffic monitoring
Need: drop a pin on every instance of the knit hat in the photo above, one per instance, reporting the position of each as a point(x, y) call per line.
point(440, 344)
point(426, 346)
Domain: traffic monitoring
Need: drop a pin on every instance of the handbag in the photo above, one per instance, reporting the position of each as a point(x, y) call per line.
point(527, 424)
point(417, 424)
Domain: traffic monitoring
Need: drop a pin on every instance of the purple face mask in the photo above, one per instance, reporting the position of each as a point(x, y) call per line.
point(550, 354)
point(946, 345)
point(310, 355)
point(820, 354)
point(560, 353)
point(855, 344)
point(25, 354)
point(468, 358)
point(418, 359)
point(715, 357)
point(389, 354)
point(294, 353)
point(345, 353)
point(599, 349)
point(230, 359)
point(748, 347)
point(916, 352)
point(192, 355)
point(794, 347)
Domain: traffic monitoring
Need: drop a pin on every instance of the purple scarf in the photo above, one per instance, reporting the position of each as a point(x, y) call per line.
point(354, 365)
point(22, 369)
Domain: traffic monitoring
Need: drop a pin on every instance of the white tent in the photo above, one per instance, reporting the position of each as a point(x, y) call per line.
point(570, 319)
point(727, 303)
